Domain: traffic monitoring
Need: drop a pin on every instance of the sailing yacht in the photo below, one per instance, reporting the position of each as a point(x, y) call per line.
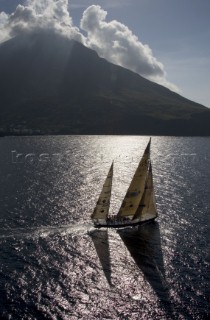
point(139, 204)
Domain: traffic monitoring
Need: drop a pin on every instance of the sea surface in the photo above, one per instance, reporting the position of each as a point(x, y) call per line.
point(55, 265)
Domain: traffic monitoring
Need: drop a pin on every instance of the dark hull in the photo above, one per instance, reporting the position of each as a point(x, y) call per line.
point(129, 224)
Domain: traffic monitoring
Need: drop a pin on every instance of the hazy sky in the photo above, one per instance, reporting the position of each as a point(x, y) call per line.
point(167, 41)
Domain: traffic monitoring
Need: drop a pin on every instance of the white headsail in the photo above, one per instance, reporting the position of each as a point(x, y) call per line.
point(147, 208)
point(101, 210)
point(136, 189)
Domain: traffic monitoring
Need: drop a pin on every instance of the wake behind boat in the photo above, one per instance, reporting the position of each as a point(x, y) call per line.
point(138, 205)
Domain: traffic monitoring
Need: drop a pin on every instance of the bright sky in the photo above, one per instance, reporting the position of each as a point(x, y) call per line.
point(176, 32)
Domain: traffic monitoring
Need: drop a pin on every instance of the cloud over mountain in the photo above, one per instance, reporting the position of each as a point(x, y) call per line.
point(117, 43)
point(39, 16)
point(112, 40)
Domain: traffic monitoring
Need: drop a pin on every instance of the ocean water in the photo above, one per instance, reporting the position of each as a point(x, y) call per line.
point(55, 265)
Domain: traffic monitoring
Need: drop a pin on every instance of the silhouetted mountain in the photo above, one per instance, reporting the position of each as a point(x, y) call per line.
point(58, 85)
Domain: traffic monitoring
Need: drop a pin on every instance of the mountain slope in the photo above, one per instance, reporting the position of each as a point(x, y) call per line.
point(57, 85)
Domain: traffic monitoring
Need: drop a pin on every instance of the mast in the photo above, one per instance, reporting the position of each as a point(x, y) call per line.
point(136, 189)
point(101, 210)
point(147, 207)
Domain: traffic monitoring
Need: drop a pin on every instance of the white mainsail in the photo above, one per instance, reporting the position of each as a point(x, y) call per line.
point(147, 208)
point(101, 210)
point(136, 189)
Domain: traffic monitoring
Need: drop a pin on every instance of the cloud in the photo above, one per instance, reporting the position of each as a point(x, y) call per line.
point(40, 16)
point(3, 18)
point(3, 22)
point(115, 42)
point(111, 40)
